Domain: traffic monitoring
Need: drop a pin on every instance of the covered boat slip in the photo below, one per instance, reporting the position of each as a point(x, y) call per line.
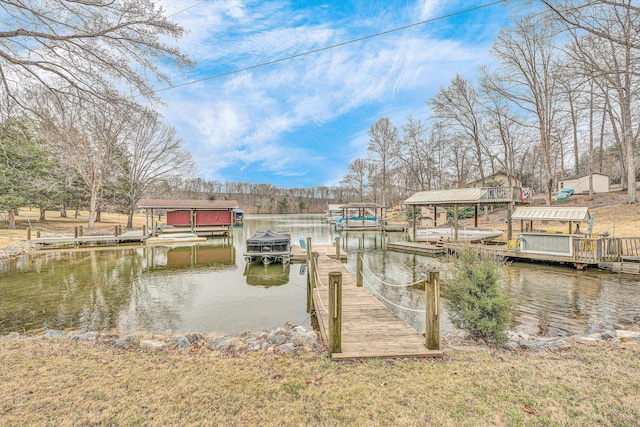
point(360, 216)
point(200, 217)
point(476, 197)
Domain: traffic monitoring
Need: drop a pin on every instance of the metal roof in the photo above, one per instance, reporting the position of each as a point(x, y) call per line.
point(441, 197)
point(356, 205)
point(575, 214)
point(187, 204)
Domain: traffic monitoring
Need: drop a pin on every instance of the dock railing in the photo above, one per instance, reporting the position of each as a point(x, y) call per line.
point(606, 249)
point(507, 194)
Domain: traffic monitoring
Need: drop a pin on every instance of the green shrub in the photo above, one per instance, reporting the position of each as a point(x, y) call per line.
point(476, 297)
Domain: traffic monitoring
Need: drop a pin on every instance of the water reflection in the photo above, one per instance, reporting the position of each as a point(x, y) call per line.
point(258, 274)
point(208, 287)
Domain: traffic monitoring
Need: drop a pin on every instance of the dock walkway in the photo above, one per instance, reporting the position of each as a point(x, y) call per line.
point(369, 328)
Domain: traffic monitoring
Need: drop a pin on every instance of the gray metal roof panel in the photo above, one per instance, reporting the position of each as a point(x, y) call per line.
point(459, 195)
point(549, 213)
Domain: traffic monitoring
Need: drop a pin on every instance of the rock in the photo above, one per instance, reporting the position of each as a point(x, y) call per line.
point(558, 344)
point(54, 333)
point(288, 325)
point(127, 340)
point(510, 346)
point(152, 344)
point(529, 344)
point(181, 341)
point(195, 337)
point(287, 348)
point(608, 335)
point(87, 336)
point(628, 335)
point(11, 336)
point(279, 331)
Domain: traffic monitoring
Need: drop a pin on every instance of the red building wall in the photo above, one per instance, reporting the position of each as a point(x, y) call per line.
point(178, 218)
point(213, 218)
point(181, 218)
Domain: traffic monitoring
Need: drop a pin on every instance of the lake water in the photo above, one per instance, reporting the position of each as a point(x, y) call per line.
point(208, 287)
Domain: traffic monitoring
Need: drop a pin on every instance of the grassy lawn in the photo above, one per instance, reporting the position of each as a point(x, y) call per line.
point(61, 382)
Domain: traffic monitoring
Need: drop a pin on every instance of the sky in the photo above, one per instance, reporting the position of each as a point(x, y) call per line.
point(302, 121)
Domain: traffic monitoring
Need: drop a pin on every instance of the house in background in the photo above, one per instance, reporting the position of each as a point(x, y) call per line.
point(580, 184)
point(499, 179)
point(431, 216)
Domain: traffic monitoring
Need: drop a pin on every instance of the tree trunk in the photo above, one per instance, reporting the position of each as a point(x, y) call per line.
point(12, 219)
point(63, 210)
point(130, 220)
point(43, 214)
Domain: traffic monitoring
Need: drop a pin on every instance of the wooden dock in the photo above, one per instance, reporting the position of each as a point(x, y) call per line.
point(369, 328)
point(63, 241)
point(416, 248)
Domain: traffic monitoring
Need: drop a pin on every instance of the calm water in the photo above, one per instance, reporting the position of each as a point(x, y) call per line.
point(209, 288)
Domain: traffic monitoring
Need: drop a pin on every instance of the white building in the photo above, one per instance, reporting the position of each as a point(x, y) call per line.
point(580, 184)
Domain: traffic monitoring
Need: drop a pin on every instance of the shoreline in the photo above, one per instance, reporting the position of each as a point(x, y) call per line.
point(292, 339)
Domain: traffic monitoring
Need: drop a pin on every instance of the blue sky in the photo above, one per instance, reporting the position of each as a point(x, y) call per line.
point(301, 122)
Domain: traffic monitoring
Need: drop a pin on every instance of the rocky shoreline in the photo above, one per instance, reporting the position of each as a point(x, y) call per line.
point(294, 339)
point(17, 249)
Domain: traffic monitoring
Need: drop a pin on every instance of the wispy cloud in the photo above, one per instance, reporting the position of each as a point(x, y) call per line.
point(249, 121)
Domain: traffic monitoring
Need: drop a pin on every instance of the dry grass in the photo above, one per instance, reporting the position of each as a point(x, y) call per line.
point(65, 383)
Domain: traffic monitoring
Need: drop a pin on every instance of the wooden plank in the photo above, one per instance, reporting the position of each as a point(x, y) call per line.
point(369, 328)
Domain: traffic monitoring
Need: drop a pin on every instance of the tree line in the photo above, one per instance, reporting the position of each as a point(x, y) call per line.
point(80, 127)
point(562, 100)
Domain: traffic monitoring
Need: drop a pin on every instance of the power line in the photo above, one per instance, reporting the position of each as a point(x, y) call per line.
point(184, 10)
point(287, 58)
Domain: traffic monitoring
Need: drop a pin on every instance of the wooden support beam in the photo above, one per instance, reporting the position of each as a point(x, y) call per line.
point(359, 266)
point(335, 312)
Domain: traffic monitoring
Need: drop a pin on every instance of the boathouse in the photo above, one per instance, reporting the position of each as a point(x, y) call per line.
point(201, 217)
point(475, 197)
point(360, 216)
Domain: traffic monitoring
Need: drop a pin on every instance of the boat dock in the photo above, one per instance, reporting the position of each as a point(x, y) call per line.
point(102, 240)
point(617, 254)
point(368, 328)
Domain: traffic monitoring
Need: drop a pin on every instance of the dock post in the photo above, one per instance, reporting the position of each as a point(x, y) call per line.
point(308, 248)
point(432, 324)
point(38, 234)
point(359, 269)
point(312, 270)
point(75, 232)
point(115, 231)
point(144, 230)
point(338, 248)
point(80, 231)
point(28, 233)
point(335, 312)
point(120, 230)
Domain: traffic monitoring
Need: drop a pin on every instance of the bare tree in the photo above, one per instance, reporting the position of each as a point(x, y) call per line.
point(87, 49)
point(457, 105)
point(382, 140)
point(613, 64)
point(528, 79)
point(413, 153)
point(149, 151)
point(356, 179)
point(596, 17)
point(86, 140)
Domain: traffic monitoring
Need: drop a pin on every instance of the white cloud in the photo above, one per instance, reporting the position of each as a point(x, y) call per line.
point(246, 119)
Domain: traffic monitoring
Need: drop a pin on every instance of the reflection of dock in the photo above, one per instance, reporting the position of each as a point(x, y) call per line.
point(369, 328)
